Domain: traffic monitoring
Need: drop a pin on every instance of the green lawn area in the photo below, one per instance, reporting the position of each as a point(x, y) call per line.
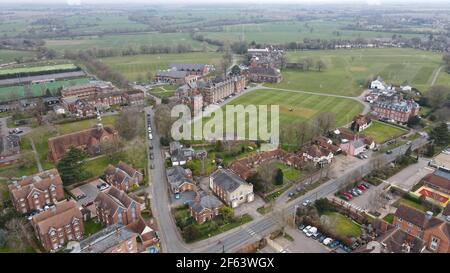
point(38, 89)
point(289, 173)
point(277, 193)
point(7, 56)
point(91, 227)
point(382, 132)
point(389, 218)
point(304, 106)
point(163, 91)
point(133, 66)
point(403, 201)
point(71, 127)
point(348, 71)
point(343, 225)
point(26, 69)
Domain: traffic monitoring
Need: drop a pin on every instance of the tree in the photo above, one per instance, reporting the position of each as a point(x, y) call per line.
point(71, 167)
point(128, 123)
point(111, 148)
point(307, 63)
point(320, 65)
point(430, 150)
point(163, 120)
point(191, 233)
point(440, 134)
point(3, 238)
point(149, 76)
point(235, 70)
point(134, 154)
point(438, 95)
point(326, 121)
point(26, 159)
point(265, 174)
point(278, 177)
point(323, 205)
point(226, 212)
point(413, 121)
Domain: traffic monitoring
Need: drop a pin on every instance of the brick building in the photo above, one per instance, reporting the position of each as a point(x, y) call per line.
point(35, 191)
point(59, 225)
point(218, 89)
point(88, 140)
point(205, 207)
point(123, 176)
point(115, 206)
point(180, 180)
point(395, 108)
point(230, 188)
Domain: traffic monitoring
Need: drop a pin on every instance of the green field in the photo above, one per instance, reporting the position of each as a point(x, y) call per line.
point(71, 127)
point(348, 71)
point(7, 56)
point(124, 41)
point(382, 132)
point(304, 106)
point(292, 31)
point(27, 69)
point(343, 225)
point(38, 89)
point(133, 66)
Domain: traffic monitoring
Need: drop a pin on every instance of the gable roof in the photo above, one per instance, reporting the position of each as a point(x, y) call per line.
point(177, 175)
point(188, 67)
point(41, 181)
point(206, 202)
point(416, 217)
point(63, 214)
point(439, 178)
point(106, 238)
point(113, 198)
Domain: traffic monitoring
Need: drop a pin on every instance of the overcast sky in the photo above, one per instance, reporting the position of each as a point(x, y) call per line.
point(75, 2)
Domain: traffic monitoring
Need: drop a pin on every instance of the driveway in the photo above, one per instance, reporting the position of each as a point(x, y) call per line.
point(411, 175)
point(301, 243)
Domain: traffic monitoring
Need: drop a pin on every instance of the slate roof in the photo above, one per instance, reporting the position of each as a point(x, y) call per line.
point(106, 238)
point(171, 74)
point(113, 199)
point(188, 67)
point(206, 202)
point(177, 175)
point(227, 180)
point(439, 178)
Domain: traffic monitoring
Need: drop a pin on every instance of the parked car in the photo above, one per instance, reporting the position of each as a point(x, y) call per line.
point(358, 191)
point(367, 185)
point(151, 156)
point(345, 248)
point(317, 235)
point(361, 187)
point(306, 229)
point(322, 238)
point(334, 244)
point(152, 166)
point(306, 202)
point(345, 197)
point(301, 226)
point(327, 241)
point(313, 231)
point(349, 195)
point(150, 136)
point(353, 193)
point(388, 152)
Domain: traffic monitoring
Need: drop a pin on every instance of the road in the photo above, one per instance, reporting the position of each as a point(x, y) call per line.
point(264, 226)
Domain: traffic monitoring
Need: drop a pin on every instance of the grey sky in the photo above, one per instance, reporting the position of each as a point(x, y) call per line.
point(216, 1)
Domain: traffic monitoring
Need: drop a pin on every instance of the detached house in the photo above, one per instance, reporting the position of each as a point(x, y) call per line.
point(35, 191)
point(59, 225)
point(318, 154)
point(360, 123)
point(378, 84)
point(180, 180)
point(123, 176)
point(180, 155)
point(115, 206)
point(231, 188)
point(434, 232)
point(205, 207)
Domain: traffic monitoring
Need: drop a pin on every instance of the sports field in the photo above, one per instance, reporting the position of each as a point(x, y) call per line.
point(381, 132)
point(348, 71)
point(133, 66)
point(37, 90)
point(7, 56)
point(33, 69)
point(295, 107)
point(294, 31)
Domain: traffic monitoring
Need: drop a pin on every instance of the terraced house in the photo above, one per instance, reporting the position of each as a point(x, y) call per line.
point(35, 191)
point(59, 225)
point(123, 176)
point(116, 207)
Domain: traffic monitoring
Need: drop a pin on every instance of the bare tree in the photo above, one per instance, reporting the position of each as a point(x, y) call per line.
point(266, 172)
point(326, 121)
point(163, 120)
point(320, 65)
point(128, 124)
point(19, 234)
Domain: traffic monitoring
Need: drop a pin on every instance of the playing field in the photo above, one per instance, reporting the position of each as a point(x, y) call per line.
point(38, 89)
point(294, 31)
point(33, 69)
point(133, 66)
point(7, 56)
point(298, 107)
point(382, 132)
point(348, 71)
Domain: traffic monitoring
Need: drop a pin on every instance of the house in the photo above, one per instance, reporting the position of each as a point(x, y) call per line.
point(147, 233)
point(438, 180)
point(378, 84)
point(192, 69)
point(258, 51)
point(360, 123)
point(264, 74)
point(88, 90)
point(115, 206)
point(219, 88)
point(133, 97)
point(353, 147)
point(88, 140)
point(317, 154)
point(180, 180)
point(230, 188)
point(180, 155)
point(123, 176)
point(35, 191)
point(112, 239)
point(327, 144)
point(405, 87)
point(395, 108)
point(205, 207)
point(434, 232)
point(59, 225)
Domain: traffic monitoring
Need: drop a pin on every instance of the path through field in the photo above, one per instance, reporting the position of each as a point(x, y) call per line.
point(436, 75)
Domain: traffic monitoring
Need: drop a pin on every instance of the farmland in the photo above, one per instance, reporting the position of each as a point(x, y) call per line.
point(134, 66)
point(7, 56)
point(381, 132)
point(23, 71)
point(37, 89)
point(349, 71)
point(304, 106)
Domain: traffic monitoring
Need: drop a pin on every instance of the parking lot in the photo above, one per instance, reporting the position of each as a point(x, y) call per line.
point(86, 194)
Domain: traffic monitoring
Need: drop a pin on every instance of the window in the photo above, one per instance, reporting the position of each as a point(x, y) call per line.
point(119, 216)
point(434, 243)
point(133, 213)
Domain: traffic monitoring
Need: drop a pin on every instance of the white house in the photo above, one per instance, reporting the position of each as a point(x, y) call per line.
point(231, 188)
point(378, 84)
point(405, 87)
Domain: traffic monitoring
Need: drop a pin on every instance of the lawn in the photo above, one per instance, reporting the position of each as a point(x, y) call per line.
point(289, 173)
point(7, 56)
point(71, 127)
point(348, 71)
point(382, 132)
point(304, 106)
point(389, 218)
point(133, 67)
point(91, 227)
point(24, 70)
point(163, 91)
point(37, 89)
point(343, 225)
point(407, 202)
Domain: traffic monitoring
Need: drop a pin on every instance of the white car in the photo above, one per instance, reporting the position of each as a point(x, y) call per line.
point(306, 202)
point(306, 229)
point(313, 231)
point(150, 136)
point(327, 241)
